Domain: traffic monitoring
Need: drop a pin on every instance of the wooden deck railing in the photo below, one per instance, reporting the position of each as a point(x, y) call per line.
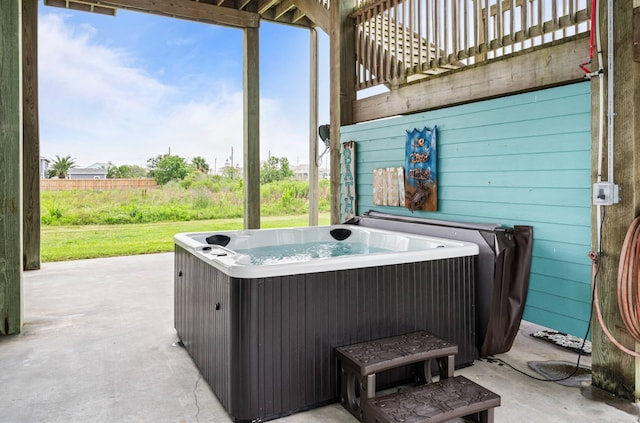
point(398, 41)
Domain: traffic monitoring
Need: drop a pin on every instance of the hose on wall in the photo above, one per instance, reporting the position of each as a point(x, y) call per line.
point(628, 298)
point(628, 292)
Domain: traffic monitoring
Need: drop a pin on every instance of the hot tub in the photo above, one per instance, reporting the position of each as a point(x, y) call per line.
point(263, 335)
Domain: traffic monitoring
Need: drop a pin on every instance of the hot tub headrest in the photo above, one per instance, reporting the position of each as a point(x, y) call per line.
point(340, 234)
point(221, 240)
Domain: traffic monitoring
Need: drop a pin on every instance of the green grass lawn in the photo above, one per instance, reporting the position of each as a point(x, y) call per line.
point(61, 243)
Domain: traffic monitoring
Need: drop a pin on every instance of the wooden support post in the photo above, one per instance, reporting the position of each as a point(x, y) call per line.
point(251, 47)
point(342, 91)
point(31, 138)
point(613, 370)
point(313, 128)
point(10, 168)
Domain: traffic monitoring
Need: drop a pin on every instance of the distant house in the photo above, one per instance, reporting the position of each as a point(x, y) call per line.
point(229, 171)
point(44, 167)
point(301, 172)
point(87, 173)
point(99, 165)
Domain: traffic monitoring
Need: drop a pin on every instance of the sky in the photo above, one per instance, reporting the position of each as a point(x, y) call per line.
point(127, 88)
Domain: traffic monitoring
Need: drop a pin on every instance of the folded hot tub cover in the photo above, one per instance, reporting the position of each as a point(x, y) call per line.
point(504, 266)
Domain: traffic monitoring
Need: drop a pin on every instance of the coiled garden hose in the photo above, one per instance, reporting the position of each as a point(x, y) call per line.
point(628, 292)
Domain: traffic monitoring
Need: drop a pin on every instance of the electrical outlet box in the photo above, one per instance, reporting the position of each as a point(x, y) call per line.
point(605, 193)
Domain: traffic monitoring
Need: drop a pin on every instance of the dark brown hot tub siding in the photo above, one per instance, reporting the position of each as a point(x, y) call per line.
point(267, 350)
point(203, 328)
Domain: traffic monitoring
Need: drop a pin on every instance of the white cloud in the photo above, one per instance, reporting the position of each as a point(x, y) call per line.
point(98, 103)
point(180, 41)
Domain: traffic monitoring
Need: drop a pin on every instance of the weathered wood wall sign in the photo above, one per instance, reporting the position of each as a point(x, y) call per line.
point(388, 186)
point(348, 171)
point(421, 177)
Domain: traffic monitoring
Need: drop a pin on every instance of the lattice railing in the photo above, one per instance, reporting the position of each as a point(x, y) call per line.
point(399, 41)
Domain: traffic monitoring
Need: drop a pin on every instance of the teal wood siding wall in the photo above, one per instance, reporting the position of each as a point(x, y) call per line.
point(518, 160)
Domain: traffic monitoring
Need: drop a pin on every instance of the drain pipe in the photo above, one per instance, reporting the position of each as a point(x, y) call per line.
point(595, 26)
point(605, 193)
point(610, 110)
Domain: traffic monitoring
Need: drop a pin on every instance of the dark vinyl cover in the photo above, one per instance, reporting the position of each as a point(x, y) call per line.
point(510, 286)
point(504, 267)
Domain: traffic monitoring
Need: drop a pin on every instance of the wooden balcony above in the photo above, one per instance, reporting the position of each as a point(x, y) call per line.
point(401, 41)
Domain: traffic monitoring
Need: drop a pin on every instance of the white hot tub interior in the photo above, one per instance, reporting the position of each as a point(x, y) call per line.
point(274, 252)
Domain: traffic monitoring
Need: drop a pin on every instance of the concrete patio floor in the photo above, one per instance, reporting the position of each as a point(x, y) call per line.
point(98, 345)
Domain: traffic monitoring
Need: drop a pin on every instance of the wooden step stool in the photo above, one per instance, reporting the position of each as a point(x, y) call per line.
point(360, 363)
point(436, 402)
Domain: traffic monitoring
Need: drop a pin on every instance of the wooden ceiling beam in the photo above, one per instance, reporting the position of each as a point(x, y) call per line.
point(302, 21)
point(264, 5)
point(282, 8)
point(81, 6)
point(243, 3)
point(189, 10)
point(297, 16)
point(316, 12)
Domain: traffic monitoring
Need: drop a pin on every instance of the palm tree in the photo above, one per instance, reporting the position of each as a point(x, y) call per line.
point(200, 164)
point(60, 166)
